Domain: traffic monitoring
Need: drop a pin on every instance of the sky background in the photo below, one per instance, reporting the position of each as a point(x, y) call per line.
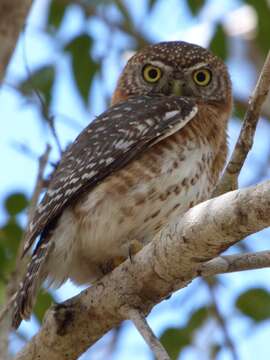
point(19, 127)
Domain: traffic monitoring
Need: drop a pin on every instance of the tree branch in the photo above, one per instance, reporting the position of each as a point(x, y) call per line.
point(170, 262)
point(234, 263)
point(12, 19)
point(244, 143)
point(144, 329)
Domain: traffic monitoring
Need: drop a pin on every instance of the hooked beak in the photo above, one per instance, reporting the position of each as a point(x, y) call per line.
point(177, 87)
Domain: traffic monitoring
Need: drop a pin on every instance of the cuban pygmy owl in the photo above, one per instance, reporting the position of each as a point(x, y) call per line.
point(156, 152)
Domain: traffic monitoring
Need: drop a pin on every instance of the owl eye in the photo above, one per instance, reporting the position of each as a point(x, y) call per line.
point(202, 77)
point(151, 73)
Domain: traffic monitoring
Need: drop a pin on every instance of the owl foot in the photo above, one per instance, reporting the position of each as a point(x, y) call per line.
point(134, 247)
point(111, 264)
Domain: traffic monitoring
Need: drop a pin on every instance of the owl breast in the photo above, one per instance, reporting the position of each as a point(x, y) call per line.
point(131, 204)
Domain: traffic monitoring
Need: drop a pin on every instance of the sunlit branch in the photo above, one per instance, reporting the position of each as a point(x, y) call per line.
point(234, 263)
point(244, 143)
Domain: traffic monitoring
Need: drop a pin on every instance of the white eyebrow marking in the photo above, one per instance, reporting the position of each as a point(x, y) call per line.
point(159, 64)
point(198, 66)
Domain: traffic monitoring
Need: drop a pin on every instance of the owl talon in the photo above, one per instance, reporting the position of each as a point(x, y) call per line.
point(134, 247)
point(111, 264)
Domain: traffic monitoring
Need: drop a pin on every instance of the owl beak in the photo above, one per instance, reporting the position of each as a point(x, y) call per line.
point(177, 87)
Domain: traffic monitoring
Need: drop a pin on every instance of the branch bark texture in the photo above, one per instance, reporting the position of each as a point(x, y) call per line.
point(244, 143)
point(12, 18)
point(234, 263)
point(170, 262)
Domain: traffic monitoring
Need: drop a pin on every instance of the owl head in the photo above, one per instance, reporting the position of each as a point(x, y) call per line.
point(175, 68)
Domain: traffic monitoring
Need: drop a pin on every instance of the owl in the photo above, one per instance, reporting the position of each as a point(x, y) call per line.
point(156, 152)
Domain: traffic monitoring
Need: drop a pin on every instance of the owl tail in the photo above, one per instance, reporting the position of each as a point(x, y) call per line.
point(25, 297)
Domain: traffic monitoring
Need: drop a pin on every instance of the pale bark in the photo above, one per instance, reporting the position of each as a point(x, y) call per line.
point(244, 142)
point(12, 19)
point(169, 263)
point(140, 322)
point(238, 262)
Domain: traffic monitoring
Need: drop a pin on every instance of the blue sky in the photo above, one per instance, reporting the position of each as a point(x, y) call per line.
point(19, 125)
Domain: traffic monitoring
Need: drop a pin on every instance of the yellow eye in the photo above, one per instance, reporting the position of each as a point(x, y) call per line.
point(202, 77)
point(151, 73)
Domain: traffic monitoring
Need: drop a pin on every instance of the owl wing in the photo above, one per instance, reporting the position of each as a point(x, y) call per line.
point(106, 145)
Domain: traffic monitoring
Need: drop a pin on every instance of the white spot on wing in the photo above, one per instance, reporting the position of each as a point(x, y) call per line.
point(116, 116)
point(141, 127)
point(109, 160)
point(149, 121)
point(88, 175)
point(170, 114)
point(72, 190)
point(122, 144)
point(182, 122)
point(74, 180)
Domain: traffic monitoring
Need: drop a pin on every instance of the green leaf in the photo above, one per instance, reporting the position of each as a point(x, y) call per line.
point(10, 237)
point(219, 44)
point(44, 301)
point(263, 31)
point(197, 319)
point(174, 340)
point(255, 303)
point(195, 5)
point(41, 81)
point(56, 13)
point(15, 203)
point(83, 66)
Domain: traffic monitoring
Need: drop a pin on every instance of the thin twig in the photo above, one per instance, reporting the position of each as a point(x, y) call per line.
point(234, 263)
point(144, 329)
point(245, 140)
point(221, 321)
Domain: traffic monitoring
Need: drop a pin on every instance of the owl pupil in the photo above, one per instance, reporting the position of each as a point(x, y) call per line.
point(201, 77)
point(153, 73)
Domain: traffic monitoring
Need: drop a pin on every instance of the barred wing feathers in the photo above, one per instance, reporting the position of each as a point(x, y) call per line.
point(108, 143)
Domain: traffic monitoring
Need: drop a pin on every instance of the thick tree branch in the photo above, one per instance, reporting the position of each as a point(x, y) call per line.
point(245, 140)
point(12, 18)
point(168, 263)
